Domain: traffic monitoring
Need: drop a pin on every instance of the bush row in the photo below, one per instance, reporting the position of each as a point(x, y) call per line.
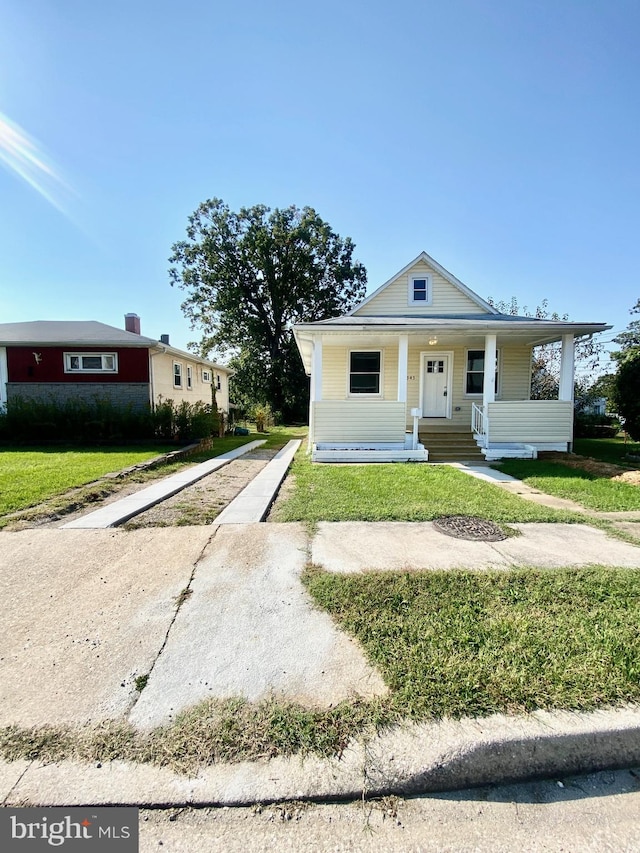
point(82, 421)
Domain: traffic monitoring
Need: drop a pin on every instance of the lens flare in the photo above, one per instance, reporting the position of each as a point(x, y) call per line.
point(22, 156)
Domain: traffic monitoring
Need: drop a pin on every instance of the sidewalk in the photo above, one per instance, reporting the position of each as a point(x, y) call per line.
point(220, 610)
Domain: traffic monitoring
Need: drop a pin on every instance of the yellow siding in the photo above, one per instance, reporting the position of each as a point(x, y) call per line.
point(531, 421)
point(515, 373)
point(335, 371)
point(357, 420)
point(162, 374)
point(446, 298)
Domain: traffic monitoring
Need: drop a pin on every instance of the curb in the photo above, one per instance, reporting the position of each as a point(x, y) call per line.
point(408, 760)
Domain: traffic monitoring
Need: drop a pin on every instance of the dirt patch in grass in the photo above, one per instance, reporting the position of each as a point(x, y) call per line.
point(594, 466)
point(203, 501)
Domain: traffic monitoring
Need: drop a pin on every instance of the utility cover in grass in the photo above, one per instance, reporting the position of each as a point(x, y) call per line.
point(469, 527)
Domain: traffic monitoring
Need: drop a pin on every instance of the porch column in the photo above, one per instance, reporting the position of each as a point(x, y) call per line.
point(565, 391)
point(489, 385)
point(315, 385)
point(403, 366)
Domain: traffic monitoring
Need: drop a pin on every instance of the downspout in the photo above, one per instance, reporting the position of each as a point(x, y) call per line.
point(159, 350)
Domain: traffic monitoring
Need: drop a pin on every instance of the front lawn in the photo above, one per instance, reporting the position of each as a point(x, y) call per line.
point(400, 492)
point(588, 489)
point(30, 476)
point(463, 643)
point(612, 450)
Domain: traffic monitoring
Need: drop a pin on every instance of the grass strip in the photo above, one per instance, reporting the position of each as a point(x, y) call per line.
point(401, 492)
point(613, 450)
point(588, 489)
point(464, 643)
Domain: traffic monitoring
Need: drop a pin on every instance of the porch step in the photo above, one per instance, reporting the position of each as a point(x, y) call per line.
point(451, 447)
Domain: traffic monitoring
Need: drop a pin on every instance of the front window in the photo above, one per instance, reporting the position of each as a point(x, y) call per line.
point(475, 371)
point(364, 372)
point(90, 362)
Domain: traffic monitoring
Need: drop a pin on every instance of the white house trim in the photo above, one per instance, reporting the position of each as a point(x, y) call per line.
point(567, 369)
point(3, 377)
point(403, 366)
point(489, 382)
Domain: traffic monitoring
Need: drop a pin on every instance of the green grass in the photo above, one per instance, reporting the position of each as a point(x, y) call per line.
point(611, 450)
point(462, 643)
point(30, 476)
point(587, 489)
point(401, 492)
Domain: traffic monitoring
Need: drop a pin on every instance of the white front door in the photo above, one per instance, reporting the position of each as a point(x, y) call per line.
point(436, 389)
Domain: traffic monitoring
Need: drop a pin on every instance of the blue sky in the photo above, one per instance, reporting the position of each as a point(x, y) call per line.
point(502, 137)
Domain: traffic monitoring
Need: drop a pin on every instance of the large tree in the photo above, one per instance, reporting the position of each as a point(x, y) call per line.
point(627, 378)
point(249, 277)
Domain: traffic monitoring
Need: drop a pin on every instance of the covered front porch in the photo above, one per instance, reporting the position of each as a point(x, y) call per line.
point(425, 395)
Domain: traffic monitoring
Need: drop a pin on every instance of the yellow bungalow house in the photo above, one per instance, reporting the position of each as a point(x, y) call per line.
point(424, 368)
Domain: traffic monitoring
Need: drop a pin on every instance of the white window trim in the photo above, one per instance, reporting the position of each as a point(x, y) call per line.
point(69, 355)
point(206, 375)
point(189, 378)
point(498, 372)
point(218, 382)
point(367, 396)
point(177, 364)
point(429, 281)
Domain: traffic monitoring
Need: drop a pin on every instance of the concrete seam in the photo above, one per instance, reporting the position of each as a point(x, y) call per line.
point(18, 780)
point(177, 610)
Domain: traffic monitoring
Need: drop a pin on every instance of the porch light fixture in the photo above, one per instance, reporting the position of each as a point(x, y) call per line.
point(433, 341)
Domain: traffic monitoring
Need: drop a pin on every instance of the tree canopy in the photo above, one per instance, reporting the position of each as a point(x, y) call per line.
point(250, 276)
point(627, 378)
point(545, 362)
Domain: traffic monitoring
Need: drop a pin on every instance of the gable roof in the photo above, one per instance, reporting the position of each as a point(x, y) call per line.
point(423, 256)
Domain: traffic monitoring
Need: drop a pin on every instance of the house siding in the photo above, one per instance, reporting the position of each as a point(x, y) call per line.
point(394, 299)
point(531, 421)
point(358, 421)
point(162, 369)
point(133, 365)
point(514, 380)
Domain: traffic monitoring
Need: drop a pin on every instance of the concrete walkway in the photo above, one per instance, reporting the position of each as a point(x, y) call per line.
point(113, 514)
point(253, 502)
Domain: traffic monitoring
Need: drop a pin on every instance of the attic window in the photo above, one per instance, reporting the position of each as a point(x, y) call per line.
point(420, 290)
point(90, 362)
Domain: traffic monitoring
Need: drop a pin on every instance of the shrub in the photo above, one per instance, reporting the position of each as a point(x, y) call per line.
point(595, 426)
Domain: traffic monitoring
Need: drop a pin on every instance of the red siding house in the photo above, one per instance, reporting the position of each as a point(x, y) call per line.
point(63, 360)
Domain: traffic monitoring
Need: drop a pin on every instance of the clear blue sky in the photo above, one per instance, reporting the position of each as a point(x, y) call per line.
point(502, 137)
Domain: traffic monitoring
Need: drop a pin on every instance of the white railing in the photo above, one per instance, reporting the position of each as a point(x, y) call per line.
point(479, 421)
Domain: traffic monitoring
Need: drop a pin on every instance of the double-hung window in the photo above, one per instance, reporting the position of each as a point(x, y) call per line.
point(90, 362)
point(177, 374)
point(206, 375)
point(475, 371)
point(189, 377)
point(420, 290)
point(364, 372)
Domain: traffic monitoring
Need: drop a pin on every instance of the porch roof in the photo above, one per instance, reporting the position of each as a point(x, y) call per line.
point(469, 329)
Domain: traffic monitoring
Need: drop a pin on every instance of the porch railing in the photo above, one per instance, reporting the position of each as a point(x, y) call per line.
point(479, 422)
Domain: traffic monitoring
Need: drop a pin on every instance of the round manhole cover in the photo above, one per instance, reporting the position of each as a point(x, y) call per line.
point(469, 527)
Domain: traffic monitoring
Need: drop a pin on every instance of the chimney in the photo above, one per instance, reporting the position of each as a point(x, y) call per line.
point(164, 339)
point(132, 323)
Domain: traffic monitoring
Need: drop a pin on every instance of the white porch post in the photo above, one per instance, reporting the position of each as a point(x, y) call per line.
point(489, 386)
point(315, 386)
point(403, 362)
point(565, 391)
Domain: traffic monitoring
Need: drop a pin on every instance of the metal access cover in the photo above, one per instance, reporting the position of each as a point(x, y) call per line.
point(469, 527)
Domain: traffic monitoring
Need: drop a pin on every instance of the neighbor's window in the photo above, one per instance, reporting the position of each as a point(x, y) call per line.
point(177, 375)
point(90, 362)
point(189, 377)
point(364, 372)
point(206, 375)
point(420, 290)
point(218, 382)
point(475, 371)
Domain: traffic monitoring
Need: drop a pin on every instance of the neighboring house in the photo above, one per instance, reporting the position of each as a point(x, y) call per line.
point(62, 360)
point(425, 368)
